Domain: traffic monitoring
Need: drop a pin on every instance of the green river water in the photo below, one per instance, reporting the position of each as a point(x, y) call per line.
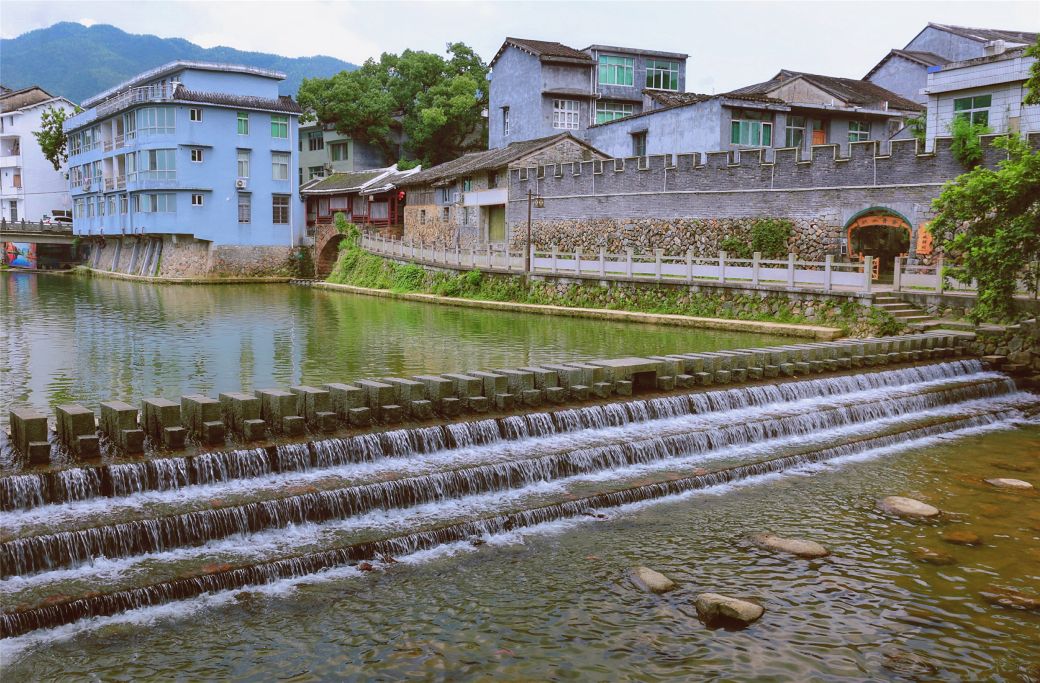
point(550, 603)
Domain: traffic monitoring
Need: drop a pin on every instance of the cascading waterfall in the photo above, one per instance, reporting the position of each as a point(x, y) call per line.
point(591, 458)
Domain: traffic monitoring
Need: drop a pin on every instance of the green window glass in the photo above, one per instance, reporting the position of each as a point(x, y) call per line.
point(752, 129)
point(795, 133)
point(609, 111)
point(243, 123)
point(279, 126)
point(859, 131)
point(616, 70)
point(662, 75)
point(974, 109)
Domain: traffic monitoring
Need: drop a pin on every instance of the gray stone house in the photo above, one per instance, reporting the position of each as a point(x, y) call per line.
point(463, 202)
point(985, 90)
point(792, 109)
point(541, 88)
point(905, 71)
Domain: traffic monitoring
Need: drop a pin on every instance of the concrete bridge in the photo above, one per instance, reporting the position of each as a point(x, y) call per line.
point(37, 233)
point(37, 245)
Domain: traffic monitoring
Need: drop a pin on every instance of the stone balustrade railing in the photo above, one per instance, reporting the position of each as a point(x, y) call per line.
point(790, 272)
point(30, 227)
point(207, 421)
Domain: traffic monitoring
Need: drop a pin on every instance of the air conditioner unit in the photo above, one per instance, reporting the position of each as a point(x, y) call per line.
point(241, 184)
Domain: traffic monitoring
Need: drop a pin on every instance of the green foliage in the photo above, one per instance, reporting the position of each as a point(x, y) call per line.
point(75, 61)
point(344, 227)
point(770, 235)
point(436, 102)
point(918, 126)
point(987, 222)
point(51, 136)
point(884, 323)
point(302, 264)
point(1032, 84)
point(966, 146)
point(735, 246)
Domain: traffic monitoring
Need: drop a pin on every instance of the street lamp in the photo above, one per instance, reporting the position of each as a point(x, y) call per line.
point(539, 202)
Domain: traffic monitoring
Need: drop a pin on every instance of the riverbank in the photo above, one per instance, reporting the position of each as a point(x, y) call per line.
point(767, 312)
point(782, 329)
point(159, 280)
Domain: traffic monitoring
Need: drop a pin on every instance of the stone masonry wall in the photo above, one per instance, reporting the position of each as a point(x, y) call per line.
point(188, 258)
point(1019, 343)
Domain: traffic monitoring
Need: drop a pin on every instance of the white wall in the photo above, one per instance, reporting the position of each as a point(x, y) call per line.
point(43, 190)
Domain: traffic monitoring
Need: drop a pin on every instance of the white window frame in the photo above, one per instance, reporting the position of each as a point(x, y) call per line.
point(659, 72)
point(973, 110)
point(280, 120)
point(612, 111)
point(566, 114)
point(243, 156)
point(861, 132)
point(196, 155)
point(280, 160)
point(195, 114)
point(275, 210)
point(505, 121)
point(240, 118)
point(247, 205)
point(621, 69)
point(196, 199)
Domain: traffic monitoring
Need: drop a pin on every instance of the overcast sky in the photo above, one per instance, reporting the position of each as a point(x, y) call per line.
point(730, 43)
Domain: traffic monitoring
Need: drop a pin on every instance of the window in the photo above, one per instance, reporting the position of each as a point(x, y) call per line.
point(422, 216)
point(492, 179)
point(243, 163)
point(752, 128)
point(639, 144)
point(662, 75)
point(974, 109)
point(194, 114)
point(280, 126)
point(280, 165)
point(315, 140)
point(859, 130)
point(13, 204)
point(467, 184)
point(565, 114)
point(445, 195)
point(196, 156)
point(165, 202)
point(157, 120)
point(616, 70)
point(75, 140)
point(111, 205)
point(505, 120)
point(196, 200)
point(243, 123)
point(315, 172)
point(445, 212)
point(124, 203)
point(608, 111)
point(795, 133)
point(338, 151)
point(465, 215)
point(280, 209)
point(157, 164)
point(245, 207)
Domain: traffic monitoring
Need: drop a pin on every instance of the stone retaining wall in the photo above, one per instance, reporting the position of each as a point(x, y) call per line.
point(1018, 345)
point(185, 257)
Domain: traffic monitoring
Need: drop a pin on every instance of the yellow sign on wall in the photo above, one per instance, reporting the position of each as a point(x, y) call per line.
point(924, 239)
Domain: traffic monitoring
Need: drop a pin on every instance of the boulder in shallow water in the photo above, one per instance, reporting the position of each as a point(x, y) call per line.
point(794, 546)
point(907, 507)
point(1008, 597)
point(962, 537)
point(649, 580)
point(722, 610)
point(929, 556)
point(1003, 483)
point(911, 665)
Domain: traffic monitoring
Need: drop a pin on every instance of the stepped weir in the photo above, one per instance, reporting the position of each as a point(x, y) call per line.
point(183, 499)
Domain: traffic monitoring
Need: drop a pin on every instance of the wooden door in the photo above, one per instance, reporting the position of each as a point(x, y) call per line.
point(496, 224)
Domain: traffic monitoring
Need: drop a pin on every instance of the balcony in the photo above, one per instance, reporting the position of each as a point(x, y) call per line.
point(13, 161)
point(134, 96)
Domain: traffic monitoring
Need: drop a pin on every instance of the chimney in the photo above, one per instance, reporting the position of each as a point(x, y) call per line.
point(995, 47)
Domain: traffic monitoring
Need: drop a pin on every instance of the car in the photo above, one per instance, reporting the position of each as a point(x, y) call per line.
point(56, 220)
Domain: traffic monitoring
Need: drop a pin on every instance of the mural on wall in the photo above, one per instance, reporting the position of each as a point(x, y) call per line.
point(20, 254)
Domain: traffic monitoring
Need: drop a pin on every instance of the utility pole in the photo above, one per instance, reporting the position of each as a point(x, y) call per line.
point(527, 251)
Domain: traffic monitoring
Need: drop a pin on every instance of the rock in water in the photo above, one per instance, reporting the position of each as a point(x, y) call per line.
point(929, 556)
point(715, 609)
point(1002, 483)
point(649, 580)
point(960, 537)
point(1007, 597)
point(794, 546)
point(907, 507)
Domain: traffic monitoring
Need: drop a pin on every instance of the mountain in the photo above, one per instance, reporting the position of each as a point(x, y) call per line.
point(77, 61)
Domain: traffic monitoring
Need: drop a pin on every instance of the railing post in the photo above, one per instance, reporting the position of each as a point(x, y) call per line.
point(790, 270)
point(940, 280)
point(628, 261)
point(555, 267)
point(533, 268)
point(657, 263)
point(722, 266)
point(577, 260)
point(897, 276)
point(868, 273)
point(755, 265)
point(689, 265)
point(602, 261)
point(422, 256)
point(828, 265)
point(490, 263)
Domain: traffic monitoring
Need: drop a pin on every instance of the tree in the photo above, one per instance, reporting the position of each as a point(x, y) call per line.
point(1032, 85)
point(436, 103)
point(51, 136)
point(987, 223)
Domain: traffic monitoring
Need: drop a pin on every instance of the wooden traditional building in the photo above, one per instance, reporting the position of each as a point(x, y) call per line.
point(370, 199)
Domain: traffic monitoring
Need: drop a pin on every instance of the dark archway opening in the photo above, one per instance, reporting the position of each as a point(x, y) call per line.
point(327, 256)
point(883, 242)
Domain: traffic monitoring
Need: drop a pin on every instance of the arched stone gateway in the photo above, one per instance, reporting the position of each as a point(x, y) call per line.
point(326, 249)
point(881, 233)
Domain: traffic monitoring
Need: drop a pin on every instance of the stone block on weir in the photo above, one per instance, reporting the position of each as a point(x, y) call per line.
point(623, 387)
point(77, 429)
point(344, 397)
point(771, 371)
point(379, 393)
point(531, 397)
point(596, 372)
point(578, 392)
point(665, 382)
point(119, 422)
point(406, 390)
point(517, 381)
point(237, 408)
point(722, 376)
point(326, 421)
point(310, 401)
point(275, 406)
point(29, 433)
point(478, 404)
point(294, 425)
point(555, 394)
point(391, 414)
point(493, 383)
point(201, 416)
point(359, 417)
point(437, 388)
point(755, 373)
point(505, 401)
point(703, 378)
point(253, 430)
point(603, 389)
point(465, 386)
point(543, 377)
point(449, 407)
point(738, 375)
point(420, 409)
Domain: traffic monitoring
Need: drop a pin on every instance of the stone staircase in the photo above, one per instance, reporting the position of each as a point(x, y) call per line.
point(914, 317)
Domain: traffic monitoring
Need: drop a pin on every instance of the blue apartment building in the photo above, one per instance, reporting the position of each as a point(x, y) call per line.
point(193, 151)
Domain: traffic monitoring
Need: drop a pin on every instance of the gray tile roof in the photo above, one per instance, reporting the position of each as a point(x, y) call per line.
point(922, 58)
point(485, 161)
point(984, 35)
point(543, 49)
point(856, 92)
point(346, 182)
point(284, 103)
